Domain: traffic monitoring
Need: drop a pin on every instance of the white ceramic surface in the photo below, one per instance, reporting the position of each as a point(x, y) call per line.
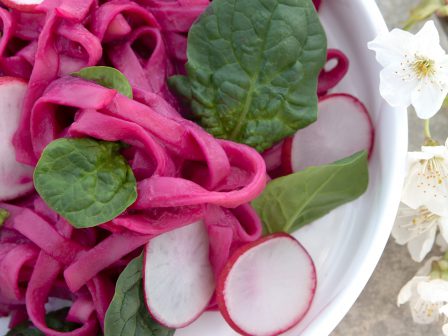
point(347, 244)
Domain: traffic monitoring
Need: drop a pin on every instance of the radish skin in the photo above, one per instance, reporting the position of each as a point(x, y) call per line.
point(267, 286)
point(343, 127)
point(22, 5)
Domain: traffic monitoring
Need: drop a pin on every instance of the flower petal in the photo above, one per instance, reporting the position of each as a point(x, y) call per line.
point(436, 151)
point(404, 230)
point(428, 98)
point(397, 85)
point(424, 312)
point(415, 157)
point(426, 185)
point(433, 291)
point(426, 268)
point(420, 246)
point(428, 41)
point(444, 310)
point(445, 329)
point(391, 47)
point(443, 228)
point(410, 289)
point(441, 64)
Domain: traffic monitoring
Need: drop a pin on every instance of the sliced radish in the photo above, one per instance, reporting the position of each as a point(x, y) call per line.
point(16, 179)
point(343, 127)
point(272, 157)
point(178, 278)
point(267, 286)
point(22, 5)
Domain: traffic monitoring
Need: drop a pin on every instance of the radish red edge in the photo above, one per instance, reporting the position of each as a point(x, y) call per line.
point(286, 156)
point(28, 8)
point(287, 144)
point(7, 79)
point(151, 311)
point(362, 108)
point(220, 286)
point(317, 4)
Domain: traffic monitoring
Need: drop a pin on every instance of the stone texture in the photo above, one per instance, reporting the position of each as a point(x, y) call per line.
point(375, 313)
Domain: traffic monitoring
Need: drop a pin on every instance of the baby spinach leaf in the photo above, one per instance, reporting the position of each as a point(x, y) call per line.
point(108, 77)
point(252, 69)
point(4, 214)
point(86, 181)
point(55, 320)
point(25, 329)
point(127, 314)
point(292, 201)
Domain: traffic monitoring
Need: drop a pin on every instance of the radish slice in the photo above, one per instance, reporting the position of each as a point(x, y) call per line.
point(178, 277)
point(22, 5)
point(16, 179)
point(273, 157)
point(343, 127)
point(267, 286)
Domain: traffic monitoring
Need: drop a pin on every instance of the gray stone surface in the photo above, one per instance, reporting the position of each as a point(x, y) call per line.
point(375, 313)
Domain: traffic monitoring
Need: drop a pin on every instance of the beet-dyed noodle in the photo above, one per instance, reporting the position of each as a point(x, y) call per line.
point(183, 174)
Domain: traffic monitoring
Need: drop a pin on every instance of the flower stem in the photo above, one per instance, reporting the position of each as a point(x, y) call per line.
point(429, 141)
point(427, 129)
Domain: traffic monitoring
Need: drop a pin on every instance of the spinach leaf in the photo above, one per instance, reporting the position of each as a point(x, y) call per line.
point(55, 320)
point(252, 69)
point(86, 181)
point(127, 314)
point(25, 329)
point(295, 200)
point(108, 77)
point(4, 214)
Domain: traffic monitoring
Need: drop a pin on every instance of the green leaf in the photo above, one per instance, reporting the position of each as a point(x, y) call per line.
point(108, 77)
point(25, 329)
point(55, 320)
point(252, 69)
point(4, 214)
point(127, 314)
point(86, 181)
point(292, 201)
point(422, 11)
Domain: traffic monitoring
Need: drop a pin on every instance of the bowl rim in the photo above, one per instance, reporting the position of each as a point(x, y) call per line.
point(333, 314)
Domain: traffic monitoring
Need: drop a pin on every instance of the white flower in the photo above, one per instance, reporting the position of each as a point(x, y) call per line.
point(426, 183)
point(415, 69)
point(427, 297)
point(418, 228)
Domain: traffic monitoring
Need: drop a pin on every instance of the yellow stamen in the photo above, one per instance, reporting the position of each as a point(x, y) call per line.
point(423, 67)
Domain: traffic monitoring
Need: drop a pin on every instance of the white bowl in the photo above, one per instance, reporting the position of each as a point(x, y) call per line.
point(347, 244)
